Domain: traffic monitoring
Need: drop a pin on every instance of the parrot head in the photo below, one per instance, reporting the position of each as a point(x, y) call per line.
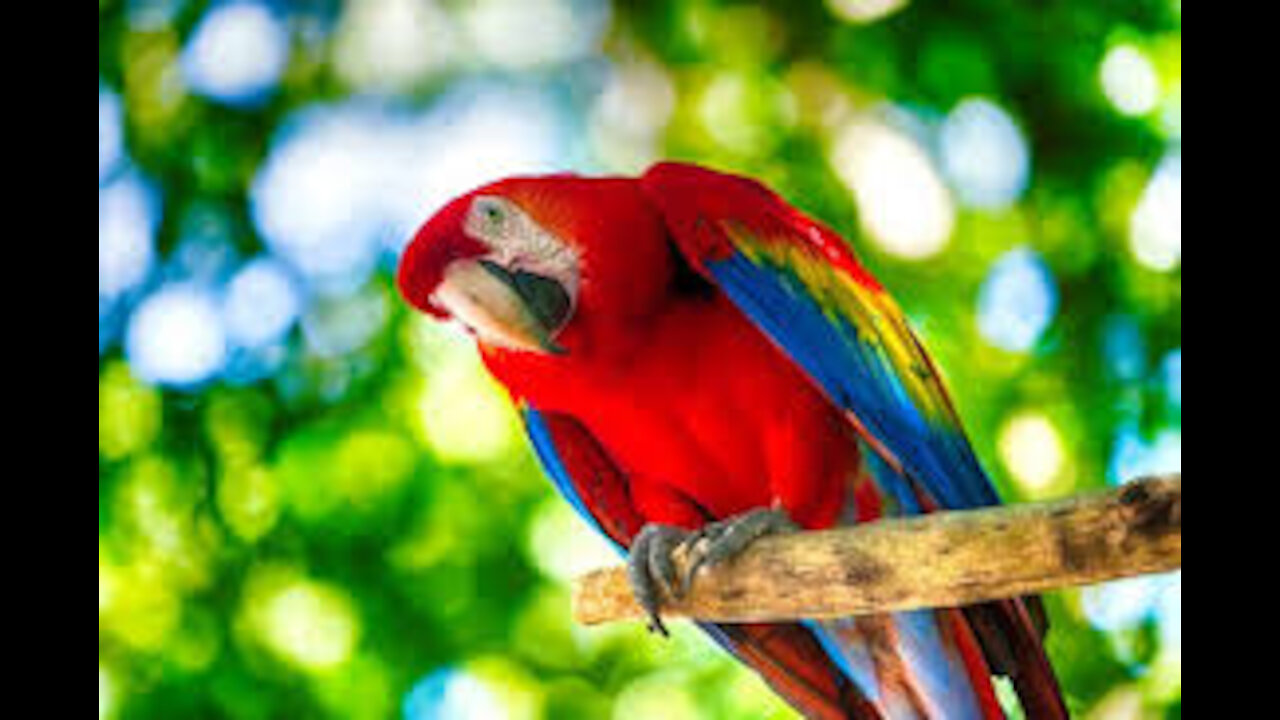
point(539, 265)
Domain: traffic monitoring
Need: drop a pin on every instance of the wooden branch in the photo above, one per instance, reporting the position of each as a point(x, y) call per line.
point(942, 560)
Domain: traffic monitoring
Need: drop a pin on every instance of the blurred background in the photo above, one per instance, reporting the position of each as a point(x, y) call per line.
point(313, 505)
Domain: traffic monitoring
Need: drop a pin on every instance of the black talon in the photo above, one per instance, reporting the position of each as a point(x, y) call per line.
point(722, 541)
point(652, 572)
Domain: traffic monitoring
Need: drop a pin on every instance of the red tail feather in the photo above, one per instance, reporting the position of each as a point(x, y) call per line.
point(796, 667)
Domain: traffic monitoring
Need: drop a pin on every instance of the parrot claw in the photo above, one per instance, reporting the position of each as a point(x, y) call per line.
point(653, 573)
point(719, 542)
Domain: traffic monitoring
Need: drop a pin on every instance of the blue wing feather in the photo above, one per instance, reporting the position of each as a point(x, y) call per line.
point(545, 448)
point(854, 373)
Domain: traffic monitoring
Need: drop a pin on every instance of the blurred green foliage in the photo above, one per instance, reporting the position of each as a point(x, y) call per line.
point(360, 532)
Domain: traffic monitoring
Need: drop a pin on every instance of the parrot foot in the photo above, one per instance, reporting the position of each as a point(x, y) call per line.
point(652, 572)
point(722, 541)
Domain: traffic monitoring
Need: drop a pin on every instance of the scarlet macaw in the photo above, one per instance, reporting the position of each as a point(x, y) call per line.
point(696, 360)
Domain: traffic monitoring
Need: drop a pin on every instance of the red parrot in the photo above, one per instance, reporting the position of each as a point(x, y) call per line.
point(697, 362)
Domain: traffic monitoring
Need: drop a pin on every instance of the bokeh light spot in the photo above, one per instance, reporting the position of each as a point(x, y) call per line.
point(563, 545)
point(393, 44)
point(108, 583)
point(1032, 449)
point(1018, 302)
point(371, 465)
point(110, 132)
point(249, 500)
point(1171, 375)
point(452, 695)
point(262, 303)
point(1125, 348)
point(904, 205)
point(157, 504)
point(1125, 604)
point(308, 624)
point(237, 54)
point(1129, 80)
point(311, 626)
point(464, 417)
point(500, 30)
point(335, 327)
point(144, 610)
point(128, 216)
point(985, 155)
point(152, 86)
point(129, 413)
point(662, 695)
point(1169, 613)
point(743, 113)
point(639, 96)
point(630, 114)
point(866, 11)
point(314, 199)
point(176, 337)
point(1155, 235)
point(1133, 455)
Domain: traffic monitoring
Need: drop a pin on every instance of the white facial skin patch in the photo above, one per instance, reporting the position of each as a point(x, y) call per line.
point(519, 243)
point(489, 307)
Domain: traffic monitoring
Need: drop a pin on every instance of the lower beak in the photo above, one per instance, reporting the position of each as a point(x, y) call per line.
point(516, 311)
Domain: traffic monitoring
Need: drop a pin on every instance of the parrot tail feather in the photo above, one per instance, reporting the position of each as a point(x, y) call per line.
point(1010, 633)
point(924, 665)
point(790, 659)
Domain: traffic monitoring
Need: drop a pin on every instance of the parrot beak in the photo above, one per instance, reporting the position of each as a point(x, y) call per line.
point(516, 310)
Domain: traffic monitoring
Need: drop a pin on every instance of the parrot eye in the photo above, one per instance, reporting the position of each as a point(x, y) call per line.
point(489, 216)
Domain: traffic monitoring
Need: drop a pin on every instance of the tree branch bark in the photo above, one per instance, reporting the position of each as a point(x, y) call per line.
point(946, 559)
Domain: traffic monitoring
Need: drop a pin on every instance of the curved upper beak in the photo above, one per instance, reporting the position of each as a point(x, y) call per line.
point(516, 310)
